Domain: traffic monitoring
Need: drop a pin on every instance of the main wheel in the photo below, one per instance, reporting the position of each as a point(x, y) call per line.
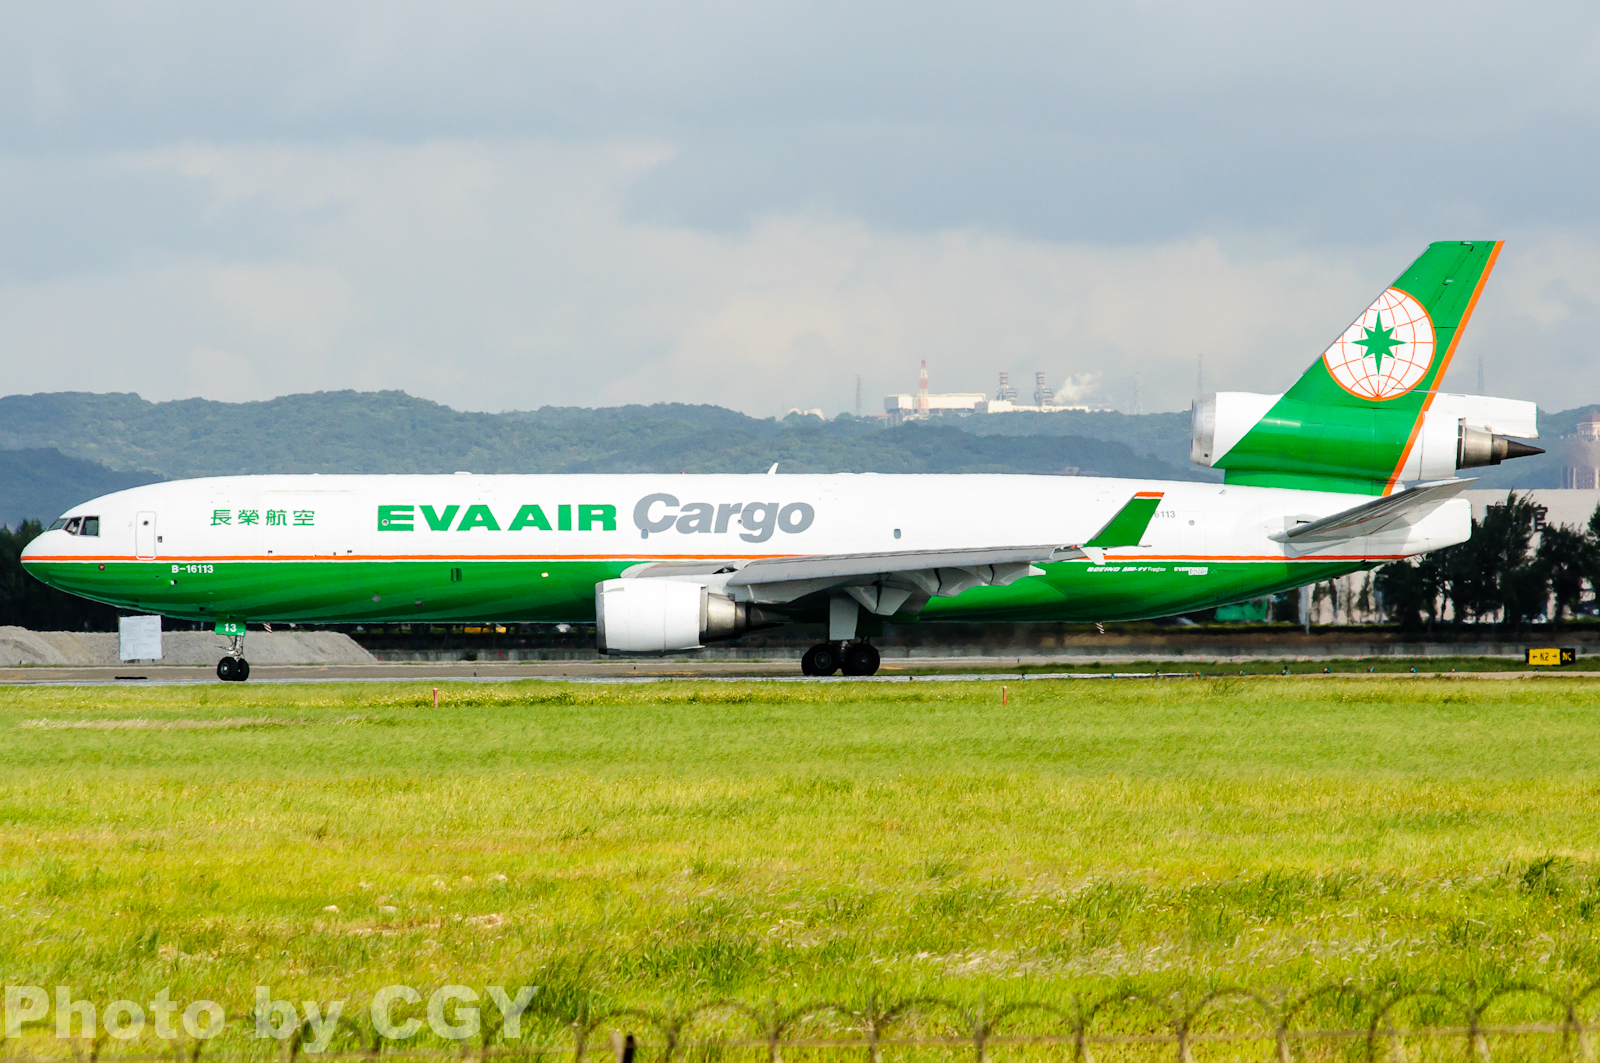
point(860, 659)
point(225, 670)
point(241, 671)
point(821, 659)
point(233, 669)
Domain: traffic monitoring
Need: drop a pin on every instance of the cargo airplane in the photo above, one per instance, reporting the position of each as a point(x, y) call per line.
point(1354, 466)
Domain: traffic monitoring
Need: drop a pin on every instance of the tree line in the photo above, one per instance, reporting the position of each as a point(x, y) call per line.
point(1497, 576)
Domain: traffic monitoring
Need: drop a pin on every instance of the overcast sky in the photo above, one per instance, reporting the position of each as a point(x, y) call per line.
point(503, 206)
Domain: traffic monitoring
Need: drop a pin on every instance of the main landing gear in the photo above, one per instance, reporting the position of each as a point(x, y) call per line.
point(852, 658)
point(234, 668)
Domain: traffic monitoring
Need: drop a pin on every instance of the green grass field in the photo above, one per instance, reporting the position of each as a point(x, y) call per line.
point(667, 844)
point(1248, 669)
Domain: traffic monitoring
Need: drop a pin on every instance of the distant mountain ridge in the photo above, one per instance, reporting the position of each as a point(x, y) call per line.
point(390, 431)
point(40, 484)
point(120, 439)
point(114, 436)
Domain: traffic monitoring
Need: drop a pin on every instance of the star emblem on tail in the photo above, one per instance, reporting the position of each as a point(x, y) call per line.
point(1379, 343)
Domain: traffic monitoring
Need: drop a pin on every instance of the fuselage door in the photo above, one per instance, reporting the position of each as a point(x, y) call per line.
point(309, 523)
point(144, 536)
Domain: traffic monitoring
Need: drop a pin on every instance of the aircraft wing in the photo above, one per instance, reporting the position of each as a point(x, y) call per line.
point(885, 582)
point(828, 566)
point(1370, 518)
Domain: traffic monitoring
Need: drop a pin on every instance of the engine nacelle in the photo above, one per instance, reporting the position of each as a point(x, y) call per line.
point(665, 615)
point(1457, 432)
point(1469, 432)
point(1221, 419)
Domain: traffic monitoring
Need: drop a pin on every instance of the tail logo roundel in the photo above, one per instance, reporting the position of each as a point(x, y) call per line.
point(1386, 352)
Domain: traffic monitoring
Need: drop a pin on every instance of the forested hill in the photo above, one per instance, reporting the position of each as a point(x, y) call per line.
point(65, 447)
point(41, 484)
point(1164, 435)
point(390, 431)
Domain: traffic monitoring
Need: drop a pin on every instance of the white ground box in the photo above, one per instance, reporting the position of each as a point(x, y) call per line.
point(140, 638)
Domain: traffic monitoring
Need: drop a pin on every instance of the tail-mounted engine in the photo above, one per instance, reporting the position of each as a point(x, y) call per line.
point(1456, 432)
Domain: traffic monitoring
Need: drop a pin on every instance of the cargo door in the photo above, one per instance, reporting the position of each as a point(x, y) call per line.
point(144, 536)
point(309, 523)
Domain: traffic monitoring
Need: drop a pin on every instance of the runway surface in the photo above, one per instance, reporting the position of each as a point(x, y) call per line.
point(581, 671)
point(942, 669)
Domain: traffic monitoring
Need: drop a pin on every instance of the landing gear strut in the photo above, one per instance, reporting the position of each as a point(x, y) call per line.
point(853, 658)
point(234, 668)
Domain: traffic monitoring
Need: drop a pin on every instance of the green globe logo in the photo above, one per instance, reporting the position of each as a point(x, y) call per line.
point(1386, 352)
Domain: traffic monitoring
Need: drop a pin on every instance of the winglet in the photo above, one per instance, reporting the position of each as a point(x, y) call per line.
point(1130, 522)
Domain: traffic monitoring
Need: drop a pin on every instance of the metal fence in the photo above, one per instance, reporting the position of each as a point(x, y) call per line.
point(1521, 1021)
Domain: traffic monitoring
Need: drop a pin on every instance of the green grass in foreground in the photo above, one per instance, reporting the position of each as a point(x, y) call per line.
point(1258, 667)
point(691, 842)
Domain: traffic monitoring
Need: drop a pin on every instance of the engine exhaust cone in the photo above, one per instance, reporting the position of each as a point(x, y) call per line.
point(1475, 449)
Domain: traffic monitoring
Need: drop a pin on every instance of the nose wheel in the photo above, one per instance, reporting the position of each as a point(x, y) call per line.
point(854, 658)
point(234, 668)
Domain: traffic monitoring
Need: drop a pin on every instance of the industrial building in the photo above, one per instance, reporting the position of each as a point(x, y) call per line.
point(925, 404)
point(1580, 455)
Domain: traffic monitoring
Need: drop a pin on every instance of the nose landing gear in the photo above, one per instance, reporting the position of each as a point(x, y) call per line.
point(234, 668)
point(852, 658)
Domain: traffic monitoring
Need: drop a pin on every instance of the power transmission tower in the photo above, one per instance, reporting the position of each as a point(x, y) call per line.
point(858, 395)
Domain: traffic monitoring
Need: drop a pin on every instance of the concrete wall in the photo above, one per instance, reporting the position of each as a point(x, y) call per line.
point(1570, 507)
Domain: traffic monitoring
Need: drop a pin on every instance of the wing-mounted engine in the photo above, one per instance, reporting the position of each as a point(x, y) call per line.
point(663, 606)
point(667, 606)
point(665, 615)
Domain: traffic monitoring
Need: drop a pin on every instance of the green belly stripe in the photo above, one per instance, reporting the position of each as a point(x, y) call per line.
point(355, 591)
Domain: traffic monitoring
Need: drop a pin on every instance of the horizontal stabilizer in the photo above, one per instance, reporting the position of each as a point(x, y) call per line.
point(1370, 518)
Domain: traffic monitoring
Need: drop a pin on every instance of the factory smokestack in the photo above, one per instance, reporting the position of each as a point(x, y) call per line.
point(1042, 395)
point(922, 390)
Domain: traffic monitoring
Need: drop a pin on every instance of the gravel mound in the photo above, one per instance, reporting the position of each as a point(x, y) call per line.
point(19, 646)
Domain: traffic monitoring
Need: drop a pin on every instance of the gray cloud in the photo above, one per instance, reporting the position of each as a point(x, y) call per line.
point(505, 204)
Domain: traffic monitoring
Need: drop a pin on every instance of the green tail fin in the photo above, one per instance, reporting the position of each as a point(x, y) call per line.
point(1351, 421)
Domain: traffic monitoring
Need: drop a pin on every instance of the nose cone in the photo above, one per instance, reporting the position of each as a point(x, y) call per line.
point(37, 548)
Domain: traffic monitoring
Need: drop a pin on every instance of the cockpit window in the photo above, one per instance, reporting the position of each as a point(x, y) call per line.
point(58, 524)
point(72, 525)
point(90, 526)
